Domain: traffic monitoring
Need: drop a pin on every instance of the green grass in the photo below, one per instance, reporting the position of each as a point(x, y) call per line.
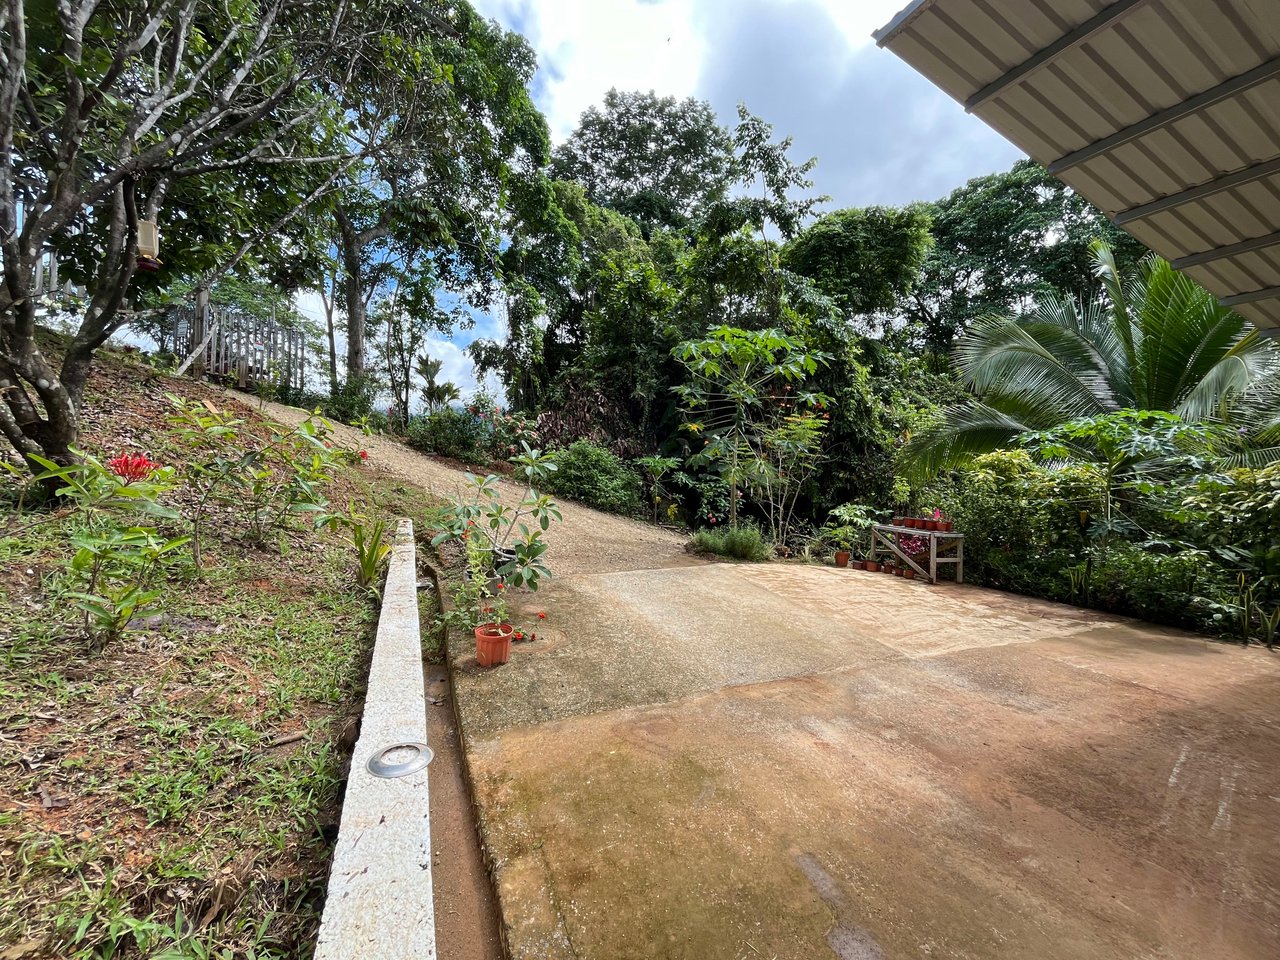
point(176, 829)
point(736, 543)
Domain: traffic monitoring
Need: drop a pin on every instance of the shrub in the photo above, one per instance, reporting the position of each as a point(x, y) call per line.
point(592, 475)
point(743, 542)
point(450, 433)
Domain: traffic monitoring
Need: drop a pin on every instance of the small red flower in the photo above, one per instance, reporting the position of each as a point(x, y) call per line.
point(132, 466)
point(364, 454)
point(519, 635)
point(501, 586)
point(542, 616)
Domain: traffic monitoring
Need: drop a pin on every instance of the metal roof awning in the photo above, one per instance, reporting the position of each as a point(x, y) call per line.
point(1163, 113)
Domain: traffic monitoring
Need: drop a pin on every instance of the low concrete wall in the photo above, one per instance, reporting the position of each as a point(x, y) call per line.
point(379, 902)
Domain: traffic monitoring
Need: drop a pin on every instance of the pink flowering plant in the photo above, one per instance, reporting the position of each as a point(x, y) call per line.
point(509, 431)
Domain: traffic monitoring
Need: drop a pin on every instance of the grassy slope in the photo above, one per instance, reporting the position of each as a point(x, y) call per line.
point(144, 810)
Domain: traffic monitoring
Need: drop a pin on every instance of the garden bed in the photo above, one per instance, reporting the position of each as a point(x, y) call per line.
point(179, 790)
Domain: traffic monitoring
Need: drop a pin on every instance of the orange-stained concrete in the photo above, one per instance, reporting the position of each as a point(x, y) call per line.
point(726, 761)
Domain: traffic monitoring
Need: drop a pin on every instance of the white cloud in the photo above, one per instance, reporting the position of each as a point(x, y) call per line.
point(587, 46)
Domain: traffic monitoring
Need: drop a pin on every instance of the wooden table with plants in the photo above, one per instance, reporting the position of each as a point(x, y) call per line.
point(913, 541)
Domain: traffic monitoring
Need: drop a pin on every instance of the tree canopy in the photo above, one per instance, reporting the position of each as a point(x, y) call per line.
point(656, 160)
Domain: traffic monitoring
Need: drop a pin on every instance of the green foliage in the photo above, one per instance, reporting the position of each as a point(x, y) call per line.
point(264, 480)
point(1156, 341)
point(992, 252)
point(369, 541)
point(115, 562)
point(1235, 517)
point(592, 475)
point(478, 598)
point(654, 159)
point(1041, 530)
point(849, 527)
point(743, 542)
point(450, 432)
point(480, 514)
point(740, 384)
point(656, 472)
point(864, 259)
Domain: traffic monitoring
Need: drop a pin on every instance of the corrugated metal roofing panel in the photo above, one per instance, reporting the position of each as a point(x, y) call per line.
point(1083, 71)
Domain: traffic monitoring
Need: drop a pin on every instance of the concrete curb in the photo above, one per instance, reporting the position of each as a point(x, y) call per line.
point(379, 902)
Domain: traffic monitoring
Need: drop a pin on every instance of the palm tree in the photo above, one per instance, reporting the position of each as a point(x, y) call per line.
point(435, 394)
point(1156, 340)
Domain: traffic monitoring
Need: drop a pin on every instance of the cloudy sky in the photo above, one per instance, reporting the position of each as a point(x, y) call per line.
point(881, 132)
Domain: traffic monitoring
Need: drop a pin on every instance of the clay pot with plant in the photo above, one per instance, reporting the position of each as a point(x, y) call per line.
point(841, 540)
point(504, 547)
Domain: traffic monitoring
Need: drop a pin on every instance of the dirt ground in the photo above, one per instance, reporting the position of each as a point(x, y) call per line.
point(585, 541)
point(720, 761)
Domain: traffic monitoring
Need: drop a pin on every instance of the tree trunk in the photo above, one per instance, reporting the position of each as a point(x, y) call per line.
point(329, 299)
point(350, 247)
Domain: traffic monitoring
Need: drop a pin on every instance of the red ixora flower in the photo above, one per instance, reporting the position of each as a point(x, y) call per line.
point(502, 586)
point(542, 616)
point(519, 635)
point(364, 454)
point(132, 466)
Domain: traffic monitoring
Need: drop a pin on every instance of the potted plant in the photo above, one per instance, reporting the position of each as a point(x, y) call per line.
point(940, 518)
point(853, 522)
point(479, 605)
point(504, 548)
point(841, 540)
point(510, 537)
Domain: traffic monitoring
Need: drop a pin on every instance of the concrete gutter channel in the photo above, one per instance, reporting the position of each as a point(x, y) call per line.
point(379, 901)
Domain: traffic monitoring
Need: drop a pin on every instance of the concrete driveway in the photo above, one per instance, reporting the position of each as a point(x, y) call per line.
point(722, 761)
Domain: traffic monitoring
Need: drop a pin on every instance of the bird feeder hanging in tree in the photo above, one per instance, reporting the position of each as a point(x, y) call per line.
point(148, 246)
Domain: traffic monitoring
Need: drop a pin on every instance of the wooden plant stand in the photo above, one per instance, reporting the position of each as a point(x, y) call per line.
point(888, 539)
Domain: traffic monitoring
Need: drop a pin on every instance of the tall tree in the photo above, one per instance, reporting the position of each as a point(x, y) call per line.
point(864, 259)
point(1155, 341)
point(1000, 242)
point(657, 160)
point(438, 180)
point(107, 112)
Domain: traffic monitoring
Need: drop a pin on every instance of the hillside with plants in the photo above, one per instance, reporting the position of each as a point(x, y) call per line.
point(185, 636)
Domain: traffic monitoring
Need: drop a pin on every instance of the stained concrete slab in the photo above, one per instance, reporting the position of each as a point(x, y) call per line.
point(732, 761)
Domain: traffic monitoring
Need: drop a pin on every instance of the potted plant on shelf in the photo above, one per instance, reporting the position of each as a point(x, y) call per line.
point(940, 518)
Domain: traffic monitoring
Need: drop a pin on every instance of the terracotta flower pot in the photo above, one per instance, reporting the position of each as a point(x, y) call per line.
point(944, 526)
point(493, 644)
point(842, 558)
point(914, 523)
point(899, 521)
point(909, 573)
point(871, 566)
point(858, 564)
point(931, 524)
point(897, 571)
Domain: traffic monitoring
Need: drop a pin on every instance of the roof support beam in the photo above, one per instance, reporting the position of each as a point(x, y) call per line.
point(1234, 250)
point(1081, 34)
point(1270, 293)
point(1227, 182)
point(1201, 101)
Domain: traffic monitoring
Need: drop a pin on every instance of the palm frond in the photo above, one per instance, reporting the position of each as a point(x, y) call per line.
point(961, 433)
